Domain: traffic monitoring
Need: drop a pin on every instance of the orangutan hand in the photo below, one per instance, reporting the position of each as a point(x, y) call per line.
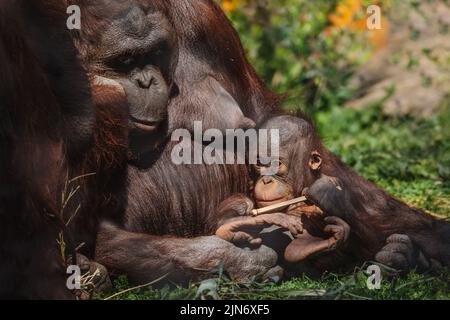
point(246, 229)
point(307, 245)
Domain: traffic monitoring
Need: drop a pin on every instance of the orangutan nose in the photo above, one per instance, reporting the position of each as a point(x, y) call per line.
point(267, 179)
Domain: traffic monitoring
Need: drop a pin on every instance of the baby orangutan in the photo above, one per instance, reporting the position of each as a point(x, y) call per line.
point(383, 228)
point(296, 168)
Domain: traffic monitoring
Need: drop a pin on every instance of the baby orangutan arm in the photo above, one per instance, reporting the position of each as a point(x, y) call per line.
point(246, 229)
point(306, 245)
point(238, 227)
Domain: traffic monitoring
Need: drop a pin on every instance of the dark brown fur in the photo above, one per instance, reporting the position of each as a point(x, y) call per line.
point(50, 134)
point(35, 119)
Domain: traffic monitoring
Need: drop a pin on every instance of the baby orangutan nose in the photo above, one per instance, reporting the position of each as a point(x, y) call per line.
point(267, 180)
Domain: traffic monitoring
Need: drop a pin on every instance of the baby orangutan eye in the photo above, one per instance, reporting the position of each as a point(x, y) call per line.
point(282, 168)
point(277, 165)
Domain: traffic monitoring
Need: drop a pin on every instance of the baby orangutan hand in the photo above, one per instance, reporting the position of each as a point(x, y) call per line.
point(306, 245)
point(246, 229)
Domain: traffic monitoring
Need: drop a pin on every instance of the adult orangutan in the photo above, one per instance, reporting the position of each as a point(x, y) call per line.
point(136, 57)
point(170, 208)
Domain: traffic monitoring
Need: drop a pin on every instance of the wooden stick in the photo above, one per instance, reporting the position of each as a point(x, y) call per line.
point(277, 206)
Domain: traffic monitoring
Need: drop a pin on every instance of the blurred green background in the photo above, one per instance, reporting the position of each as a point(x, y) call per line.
point(306, 49)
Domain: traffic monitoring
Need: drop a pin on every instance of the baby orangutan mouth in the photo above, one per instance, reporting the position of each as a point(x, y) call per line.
point(261, 203)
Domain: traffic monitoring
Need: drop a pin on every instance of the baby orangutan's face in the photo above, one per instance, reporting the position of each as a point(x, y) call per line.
point(272, 189)
point(278, 187)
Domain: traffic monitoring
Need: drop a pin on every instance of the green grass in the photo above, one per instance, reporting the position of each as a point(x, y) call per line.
point(410, 158)
point(330, 286)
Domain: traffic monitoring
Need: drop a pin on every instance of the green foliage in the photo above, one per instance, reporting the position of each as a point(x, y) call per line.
point(294, 48)
point(354, 286)
point(123, 292)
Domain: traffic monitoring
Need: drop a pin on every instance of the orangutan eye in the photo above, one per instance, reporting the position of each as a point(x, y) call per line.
point(282, 169)
point(280, 166)
point(126, 61)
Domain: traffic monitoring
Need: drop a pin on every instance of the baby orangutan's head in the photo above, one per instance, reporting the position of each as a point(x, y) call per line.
point(297, 166)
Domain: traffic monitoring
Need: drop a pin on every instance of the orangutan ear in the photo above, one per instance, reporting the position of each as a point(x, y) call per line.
point(315, 162)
